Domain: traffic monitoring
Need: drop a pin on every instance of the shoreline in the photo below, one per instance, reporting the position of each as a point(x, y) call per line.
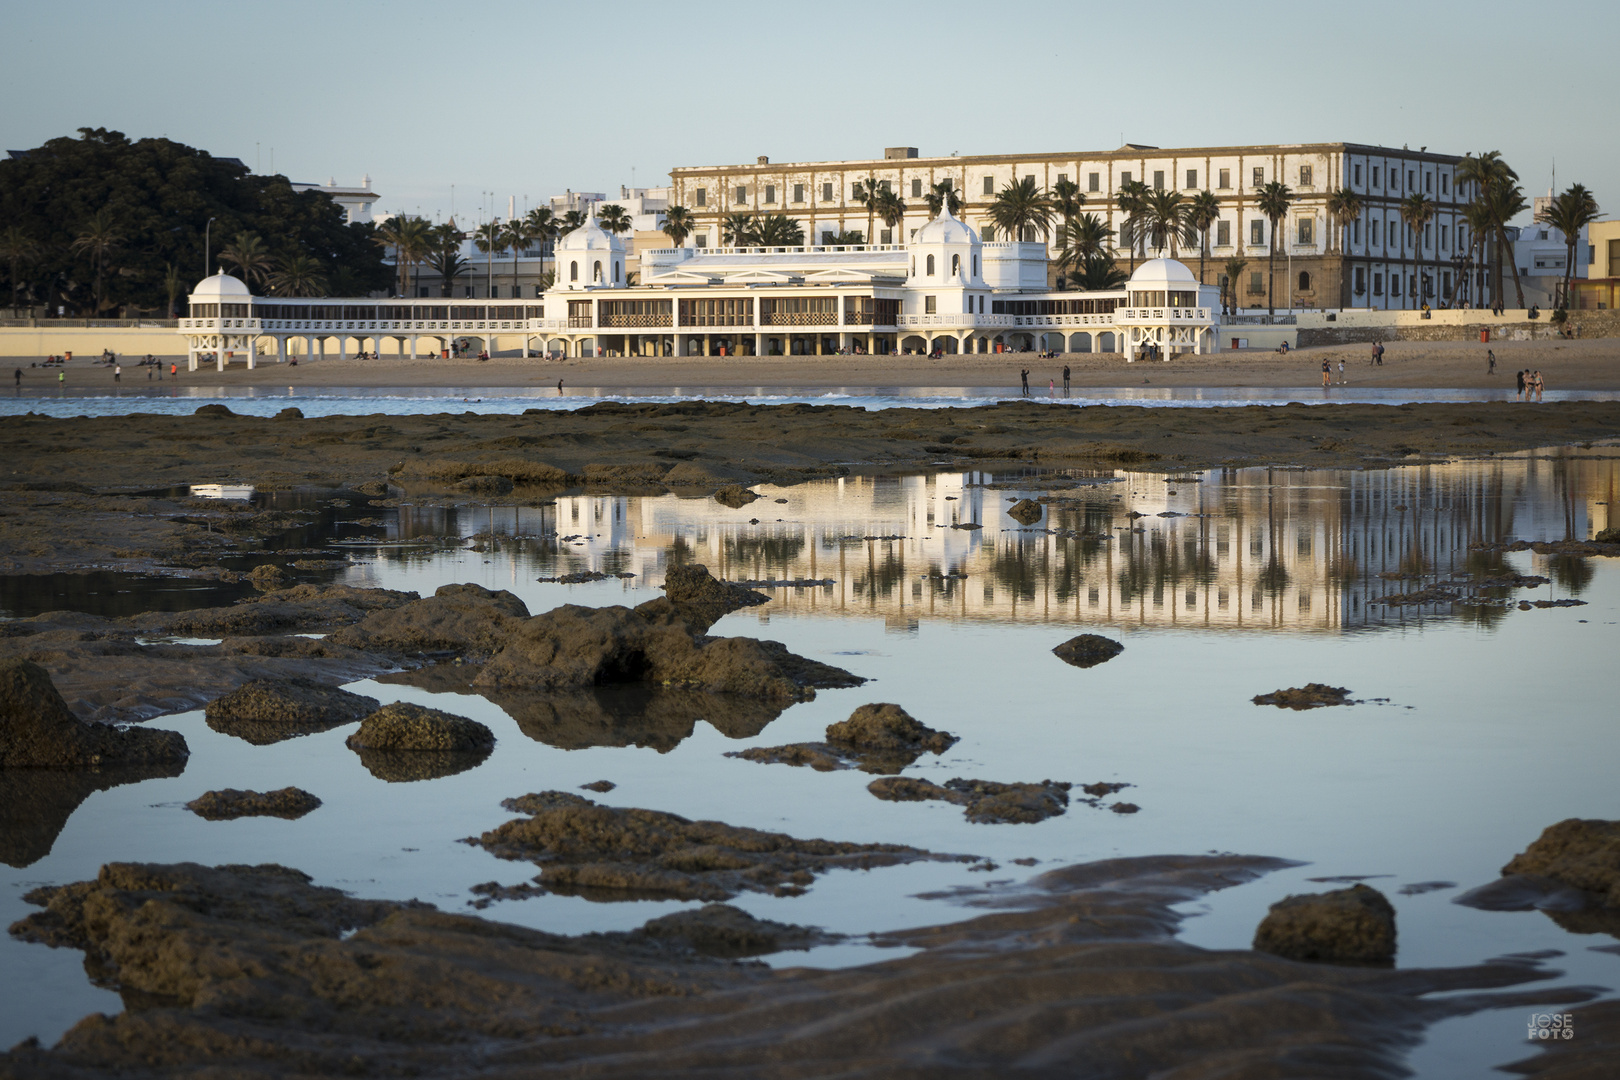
point(1589, 364)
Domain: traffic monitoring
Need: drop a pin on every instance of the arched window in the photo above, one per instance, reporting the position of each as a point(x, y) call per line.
point(615, 272)
point(596, 273)
point(914, 266)
point(930, 266)
point(573, 271)
point(975, 266)
point(1304, 281)
point(956, 265)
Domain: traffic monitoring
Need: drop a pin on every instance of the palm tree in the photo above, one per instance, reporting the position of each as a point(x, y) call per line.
point(1165, 220)
point(1417, 210)
point(517, 236)
point(613, 218)
point(1274, 201)
point(891, 210)
point(778, 230)
point(490, 238)
point(737, 230)
point(99, 238)
point(1344, 207)
point(298, 274)
point(1098, 272)
point(444, 256)
point(1477, 216)
point(1233, 270)
point(1067, 201)
point(1497, 190)
point(409, 236)
point(678, 224)
point(943, 194)
point(1203, 211)
point(868, 192)
point(1022, 208)
point(848, 238)
point(250, 257)
point(1132, 203)
point(18, 249)
point(174, 283)
point(542, 223)
point(1569, 213)
point(1080, 240)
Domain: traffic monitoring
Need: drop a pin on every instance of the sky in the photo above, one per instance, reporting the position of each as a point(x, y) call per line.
point(524, 100)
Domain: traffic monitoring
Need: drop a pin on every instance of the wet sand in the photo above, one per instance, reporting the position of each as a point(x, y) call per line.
point(1592, 364)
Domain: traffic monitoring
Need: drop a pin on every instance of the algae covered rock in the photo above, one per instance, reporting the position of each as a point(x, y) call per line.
point(459, 619)
point(698, 597)
point(1088, 650)
point(403, 726)
point(1025, 511)
point(1583, 853)
point(38, 732)
point(729, 932)
point(878, 738)
point(227, 804)
point(1346, 926)
point(1310, 696)
point(735, 496)
point(267, 711)
point(984, 802)
point(614, 853)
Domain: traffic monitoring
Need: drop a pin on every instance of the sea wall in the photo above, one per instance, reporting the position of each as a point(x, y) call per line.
point(1347, 327)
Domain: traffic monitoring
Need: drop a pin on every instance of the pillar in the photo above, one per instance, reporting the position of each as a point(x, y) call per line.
point(708, 346)
point(759, 345)
point(413, 346)
point(309, 347)
point(680, 343)
point(525, 345)
point(252, 351)
point(343, 346)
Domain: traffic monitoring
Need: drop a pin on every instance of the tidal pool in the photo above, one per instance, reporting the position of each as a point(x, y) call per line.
point(1480, 723)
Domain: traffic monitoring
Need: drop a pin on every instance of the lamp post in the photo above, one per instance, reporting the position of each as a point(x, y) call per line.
point(206, 229)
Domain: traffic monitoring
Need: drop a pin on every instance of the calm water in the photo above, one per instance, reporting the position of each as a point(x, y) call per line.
point(94, 395)
point(1498, 721)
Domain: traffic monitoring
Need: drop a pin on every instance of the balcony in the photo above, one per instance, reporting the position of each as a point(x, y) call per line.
point(799, 318)
point(633, 322)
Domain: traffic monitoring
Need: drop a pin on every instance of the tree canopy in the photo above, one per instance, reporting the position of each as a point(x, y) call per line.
point(158, 195)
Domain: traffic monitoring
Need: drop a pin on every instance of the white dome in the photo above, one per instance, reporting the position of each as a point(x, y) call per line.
point(590, 237)
point(946, 229)
point(1163, 272)
point(218, 286)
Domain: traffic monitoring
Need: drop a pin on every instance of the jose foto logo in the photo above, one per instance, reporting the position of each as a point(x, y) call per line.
point(1552, 1026)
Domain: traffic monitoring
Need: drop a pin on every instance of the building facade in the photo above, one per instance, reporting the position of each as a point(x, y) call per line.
point(1374, 261)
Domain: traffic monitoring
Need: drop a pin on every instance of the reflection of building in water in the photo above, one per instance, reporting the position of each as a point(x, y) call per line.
point(1242, 548)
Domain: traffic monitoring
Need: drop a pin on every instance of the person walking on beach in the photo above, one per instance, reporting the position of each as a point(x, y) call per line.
point(1065, 380)
point(1536, 381)
point(559, 386)
point(1341, 371)
point(118, 373)
point(18, 378)
point(1051, 388)
point(1519, 381)
point(61, 378)
point(1023, 377)
point(1490, 357)
point(1326, 373)
point(174, 372)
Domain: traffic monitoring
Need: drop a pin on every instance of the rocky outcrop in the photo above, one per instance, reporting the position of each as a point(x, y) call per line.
point(735, 496)
point(728, 932)
point(625, 853)
point(253, 971)
point(402, 743)
point(700, 599)
point(1346, 926)
point(302, 607)
point(1026, 511)
point(267, 711)
point(1310, 696)
point(1582, 853)
point(461, 619)
point(1088, 650)
point(654, 717)
point(984, 802)
point(227, 804)
point(575, 648)
point(881, 738)
point(38, 732)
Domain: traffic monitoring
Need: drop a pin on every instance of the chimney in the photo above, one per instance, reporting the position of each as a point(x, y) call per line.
point(763, 160)
point(899, 153)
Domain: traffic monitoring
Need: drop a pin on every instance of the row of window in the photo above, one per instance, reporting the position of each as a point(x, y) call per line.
point(367, 312)
point(1101, 306)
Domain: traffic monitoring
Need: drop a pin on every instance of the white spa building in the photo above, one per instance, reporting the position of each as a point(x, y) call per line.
point(945, 292)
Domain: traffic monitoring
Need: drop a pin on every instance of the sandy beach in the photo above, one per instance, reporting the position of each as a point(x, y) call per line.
point(1565, 365)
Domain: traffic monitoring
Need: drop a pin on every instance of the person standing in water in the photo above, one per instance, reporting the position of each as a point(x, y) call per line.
point(1518, 380)
point(1490, 359)
point(1065, 379)
point(1023, 377)
point(559, 386)
point(1327, 373)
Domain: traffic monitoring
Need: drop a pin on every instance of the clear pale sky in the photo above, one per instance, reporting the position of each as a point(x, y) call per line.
point(527, 99)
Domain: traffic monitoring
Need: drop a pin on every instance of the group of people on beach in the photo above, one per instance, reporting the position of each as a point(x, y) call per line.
point(1530, 385)
point(1051, 384)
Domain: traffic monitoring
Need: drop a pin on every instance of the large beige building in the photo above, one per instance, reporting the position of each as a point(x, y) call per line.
point(1375, 262)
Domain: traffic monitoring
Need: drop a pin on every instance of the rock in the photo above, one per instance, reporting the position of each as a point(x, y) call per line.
point(1583, 853)
point(603, 852)
point(1310, 696)
point(461, 619)
point(290, 413)
point(1088, 650)
point(1610, 535)
point(984, 802)
point(267, 577)
point(302, 607)
point(375, 489)
point(878, 738)
point(213, 410)
point(38, 732)
point(599, 786)
point(735, 496)
point(701, 599)
point(228, 804)
point(654, 717)
point(575, 648)
point(725, 931)
point(403, 726)
point(1026, 511)
point(1346, 926)
point(267, 711)
point(483, 485)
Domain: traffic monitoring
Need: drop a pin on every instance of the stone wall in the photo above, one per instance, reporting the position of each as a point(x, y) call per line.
point(1411, 327)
